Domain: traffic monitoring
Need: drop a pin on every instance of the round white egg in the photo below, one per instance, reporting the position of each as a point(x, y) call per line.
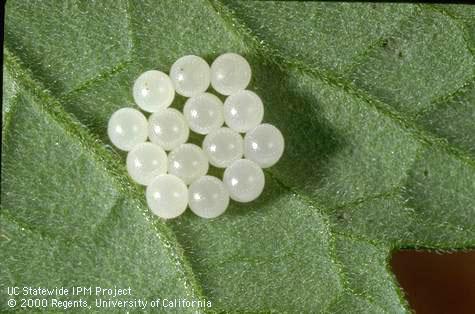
point(264, 145)
point(190, 75)
point(204, 113)
point(223, 146)
point(230, 73)
point(145, 162)
point(127, 127)
point(168, 128)
point(188, 162)
point(153, 91)
point(243, 111)
point(167, 196)
point(208, 197)
point(244, 180)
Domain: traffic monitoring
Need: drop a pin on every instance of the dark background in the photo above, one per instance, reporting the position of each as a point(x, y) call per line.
point(437, 283)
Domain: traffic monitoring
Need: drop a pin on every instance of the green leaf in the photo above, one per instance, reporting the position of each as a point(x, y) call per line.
point(376, 104)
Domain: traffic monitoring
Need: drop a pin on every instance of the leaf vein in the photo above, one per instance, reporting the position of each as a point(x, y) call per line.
point(50, 106)
point(419, 134)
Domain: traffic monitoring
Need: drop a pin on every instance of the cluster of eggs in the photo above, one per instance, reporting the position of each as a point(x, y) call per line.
point(180, 179)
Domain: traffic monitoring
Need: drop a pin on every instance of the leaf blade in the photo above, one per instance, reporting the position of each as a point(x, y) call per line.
point(360, 184)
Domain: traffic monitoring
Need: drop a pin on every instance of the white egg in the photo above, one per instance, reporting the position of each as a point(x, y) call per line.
point(168, 128)
point(243, 111)
point(223, 146)
point(188, 162)
point(190, 75)
point(127, 127)
point(264, 145)
point(145, 162)
point(204, 113)
point(153, 90)
point(208, 197)
point(244, 180)
point(230, 73)
point(167, 196)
